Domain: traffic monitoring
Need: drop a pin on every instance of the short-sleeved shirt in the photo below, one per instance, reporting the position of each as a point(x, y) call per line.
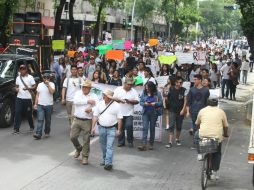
point(29, 81)
point(211, 120)
point(110, 116)
point(197, 99)
point(176, 99)
point(121, 93)
point(73, 85)
point(45, 98)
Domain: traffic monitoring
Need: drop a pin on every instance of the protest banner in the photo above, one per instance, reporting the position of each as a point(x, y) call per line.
point(199, 57)
point(184, 58)
point(127, 44)
point(137, 117)
point(71, 53)
point(115, 54)
point(162, 81)
point(104, 48)
point(58, 44)
point(153, 42)
point(118, 44)
point(167, 59)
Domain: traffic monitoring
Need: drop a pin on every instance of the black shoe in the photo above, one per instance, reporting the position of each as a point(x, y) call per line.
point(108, 167)
point(15, 132)
point(37, 137)
point(130, 145)
point(120, 145)
point(102, 164)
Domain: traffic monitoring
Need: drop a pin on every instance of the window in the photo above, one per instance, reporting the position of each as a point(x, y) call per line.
point(7, 69)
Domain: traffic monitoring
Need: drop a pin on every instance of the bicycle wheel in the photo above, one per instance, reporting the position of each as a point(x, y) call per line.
point(204, 172)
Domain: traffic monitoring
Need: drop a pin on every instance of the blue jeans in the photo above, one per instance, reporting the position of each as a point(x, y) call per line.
point(128, 125)
point(107, 139)
point(43, 113)
point(149, 121)
point(193, 119)
point(225, 82)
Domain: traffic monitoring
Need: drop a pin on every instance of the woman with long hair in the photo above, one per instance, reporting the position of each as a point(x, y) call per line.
point(148, 76)
point(164, 70)
point(233, 79)
point(150, 100)
point(207, 83)
point(214, 75)
point(97, 77)
point(115, 79)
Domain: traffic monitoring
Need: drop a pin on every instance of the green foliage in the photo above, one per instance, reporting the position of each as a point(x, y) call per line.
point(218, 21)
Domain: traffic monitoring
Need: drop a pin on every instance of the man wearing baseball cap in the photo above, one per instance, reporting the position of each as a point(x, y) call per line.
point(84, 101)
point(108, 117)
point(44, 104)
point(25, 84)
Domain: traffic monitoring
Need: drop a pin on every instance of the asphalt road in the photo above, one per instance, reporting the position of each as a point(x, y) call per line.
point(48, 163)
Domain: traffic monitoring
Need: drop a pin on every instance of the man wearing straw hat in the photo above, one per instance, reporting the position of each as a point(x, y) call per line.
point(84, 101)
point(108, 116)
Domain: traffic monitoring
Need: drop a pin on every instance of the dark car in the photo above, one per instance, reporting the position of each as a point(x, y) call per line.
point(9, 70)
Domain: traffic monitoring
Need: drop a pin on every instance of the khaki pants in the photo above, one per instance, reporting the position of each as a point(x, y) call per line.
point(70, 111)
point(79, 126)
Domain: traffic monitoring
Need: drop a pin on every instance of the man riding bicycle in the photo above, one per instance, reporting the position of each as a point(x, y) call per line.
point(212, 123)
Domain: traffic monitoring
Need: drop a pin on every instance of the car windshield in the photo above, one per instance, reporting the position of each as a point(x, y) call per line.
point(6, 68)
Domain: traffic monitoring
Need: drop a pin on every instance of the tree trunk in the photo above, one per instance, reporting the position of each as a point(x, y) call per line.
point(8, 10)
point(71, 5)
point(97, 25)
point(250, 39)
point(59, 11)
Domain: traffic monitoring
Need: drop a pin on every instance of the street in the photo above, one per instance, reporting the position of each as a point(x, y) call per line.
point(49, 164)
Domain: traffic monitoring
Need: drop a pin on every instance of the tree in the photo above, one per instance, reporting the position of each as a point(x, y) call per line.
point(247, 21)
point(59, 10)
point(144, 12)
point(6, 11)
point(101, 5)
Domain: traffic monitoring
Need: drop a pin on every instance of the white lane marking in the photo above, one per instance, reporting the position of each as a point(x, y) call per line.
point(226, 147)
point(91, 142)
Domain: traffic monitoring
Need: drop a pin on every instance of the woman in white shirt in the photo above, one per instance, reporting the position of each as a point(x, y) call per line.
point(149, 76)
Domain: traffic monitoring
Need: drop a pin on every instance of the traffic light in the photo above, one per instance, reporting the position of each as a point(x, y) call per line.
point(129, 21)
point(124, 23)
point(230, 7)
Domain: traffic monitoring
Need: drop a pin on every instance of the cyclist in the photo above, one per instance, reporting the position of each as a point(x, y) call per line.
point(212, 123)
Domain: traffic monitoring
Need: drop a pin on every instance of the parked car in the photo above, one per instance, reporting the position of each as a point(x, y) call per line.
point(9, 70)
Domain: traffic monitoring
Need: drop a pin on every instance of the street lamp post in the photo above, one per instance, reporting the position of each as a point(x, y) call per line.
point(132, 18)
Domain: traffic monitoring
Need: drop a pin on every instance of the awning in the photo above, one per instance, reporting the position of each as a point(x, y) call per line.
point(48, 22)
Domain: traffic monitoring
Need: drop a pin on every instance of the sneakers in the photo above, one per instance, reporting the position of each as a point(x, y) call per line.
point(178, 142)
point(46, 136)
point(214, 175)
point(108, 167)
point(167, 128)
point(37, 136)
point(169, 145)
point(142, 148)
point(84, 161)
point(77, 153)
point(15, 132)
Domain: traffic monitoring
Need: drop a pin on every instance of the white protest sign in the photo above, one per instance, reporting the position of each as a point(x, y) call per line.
point(162, 81)
point(184, 58)
point(186, 85)
point(199, 57)
point(137, 117)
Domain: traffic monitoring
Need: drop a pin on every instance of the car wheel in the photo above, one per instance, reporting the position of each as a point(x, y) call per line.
point(7, 113)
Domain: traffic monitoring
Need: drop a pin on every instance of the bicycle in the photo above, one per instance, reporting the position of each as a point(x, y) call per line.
point(205, 147)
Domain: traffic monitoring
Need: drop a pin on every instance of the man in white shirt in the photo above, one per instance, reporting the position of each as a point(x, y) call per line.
point(44, 105)
point(70, 86)
point(84, 101)
point(25, 83)
point(127, 97)
point(225, 78)
point(108, 116)
point(81, 48)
